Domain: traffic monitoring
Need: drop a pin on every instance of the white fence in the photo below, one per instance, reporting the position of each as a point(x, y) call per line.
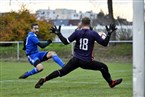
point(13, 42)
point(17, 50)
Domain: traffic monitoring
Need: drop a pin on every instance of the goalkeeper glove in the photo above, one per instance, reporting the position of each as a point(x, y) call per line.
point(111, 28)
point(55, 30)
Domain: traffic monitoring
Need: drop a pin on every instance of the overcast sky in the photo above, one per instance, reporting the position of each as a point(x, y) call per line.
point(122, 8)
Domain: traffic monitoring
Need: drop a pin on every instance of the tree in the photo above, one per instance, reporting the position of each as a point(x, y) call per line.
point(110, 11)
point(14, 26)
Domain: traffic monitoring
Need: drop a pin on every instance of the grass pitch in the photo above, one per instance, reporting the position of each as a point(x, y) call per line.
point(79, 83)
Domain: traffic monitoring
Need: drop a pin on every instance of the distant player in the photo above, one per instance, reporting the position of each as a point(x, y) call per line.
point(85, 39)
point(36, 57)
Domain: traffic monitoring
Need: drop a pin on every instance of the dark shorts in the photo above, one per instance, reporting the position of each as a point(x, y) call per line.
point(75, 63)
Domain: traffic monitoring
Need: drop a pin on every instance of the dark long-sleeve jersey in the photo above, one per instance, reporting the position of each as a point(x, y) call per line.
point(84, 45)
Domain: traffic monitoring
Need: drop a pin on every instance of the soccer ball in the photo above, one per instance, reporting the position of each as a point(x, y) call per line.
point(102, 34)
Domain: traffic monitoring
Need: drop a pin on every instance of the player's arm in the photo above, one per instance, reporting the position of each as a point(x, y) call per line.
point(110, 30)
point(105, 41)
point(44, 44)
point(63, 39)
point(24, 44)
point(58, 33)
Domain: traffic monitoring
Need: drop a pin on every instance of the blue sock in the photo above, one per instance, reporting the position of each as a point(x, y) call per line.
point(31, 72)
point(58, 60)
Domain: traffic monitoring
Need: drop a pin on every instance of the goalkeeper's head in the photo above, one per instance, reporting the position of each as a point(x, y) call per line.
point(86, 21)
point(35, 28)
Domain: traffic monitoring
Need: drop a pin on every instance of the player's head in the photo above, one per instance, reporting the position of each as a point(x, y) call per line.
point(86, 21)
point(35, 28)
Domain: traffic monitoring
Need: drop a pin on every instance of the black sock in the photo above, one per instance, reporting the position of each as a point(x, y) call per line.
point(52, 75)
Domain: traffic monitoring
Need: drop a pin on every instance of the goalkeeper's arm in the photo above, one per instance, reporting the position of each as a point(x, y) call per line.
point(110, 30)
point(58, 33)
point(63, 39)
point(106, 40)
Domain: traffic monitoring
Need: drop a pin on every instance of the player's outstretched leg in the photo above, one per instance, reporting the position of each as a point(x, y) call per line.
point(27, 74)
point(115, 82)
point(39, 83)
point(54, 74)
point(23, 76)
point(58, 60)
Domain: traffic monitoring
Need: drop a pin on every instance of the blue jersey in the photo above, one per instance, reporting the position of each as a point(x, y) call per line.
point(31, 43)
point(84, 45)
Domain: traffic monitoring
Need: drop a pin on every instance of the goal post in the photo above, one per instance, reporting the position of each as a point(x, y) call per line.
point(138, 49)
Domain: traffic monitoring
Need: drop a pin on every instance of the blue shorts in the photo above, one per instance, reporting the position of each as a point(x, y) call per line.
point(37, 56)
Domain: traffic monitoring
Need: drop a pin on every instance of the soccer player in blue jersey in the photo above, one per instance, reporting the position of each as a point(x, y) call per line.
point(85, 39)
point(36, 57)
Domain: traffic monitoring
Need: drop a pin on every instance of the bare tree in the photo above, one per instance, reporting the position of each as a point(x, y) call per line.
point(10, 3)
point(111, 17)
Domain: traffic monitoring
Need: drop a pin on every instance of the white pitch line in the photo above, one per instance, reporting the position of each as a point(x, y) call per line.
point(67, 82)
point(72, 82)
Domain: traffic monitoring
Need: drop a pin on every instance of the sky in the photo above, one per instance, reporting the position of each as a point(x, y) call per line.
point(122, 8)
